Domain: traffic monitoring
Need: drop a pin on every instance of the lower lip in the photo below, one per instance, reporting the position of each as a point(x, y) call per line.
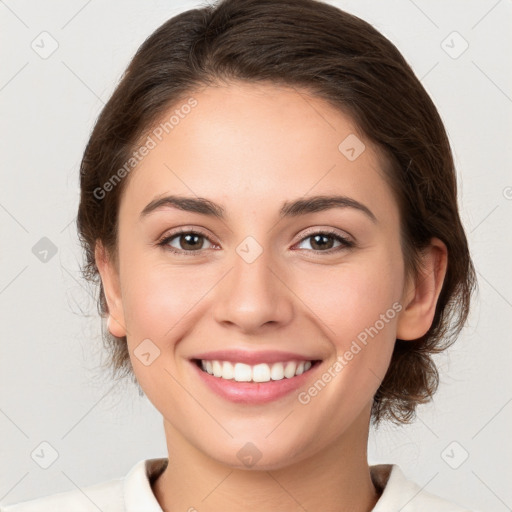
point(254, 392)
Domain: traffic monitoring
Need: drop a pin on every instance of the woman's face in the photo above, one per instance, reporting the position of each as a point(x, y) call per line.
point(267, 278)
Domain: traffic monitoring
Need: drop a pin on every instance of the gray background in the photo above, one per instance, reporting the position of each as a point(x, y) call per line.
point(52, 389)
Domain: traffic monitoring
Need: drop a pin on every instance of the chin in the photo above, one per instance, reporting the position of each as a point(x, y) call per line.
point(263, 455)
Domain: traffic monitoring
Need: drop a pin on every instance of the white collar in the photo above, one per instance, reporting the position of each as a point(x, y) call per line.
point(137, 492)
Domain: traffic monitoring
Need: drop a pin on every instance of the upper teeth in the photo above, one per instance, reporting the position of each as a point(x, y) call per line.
point(263, 372)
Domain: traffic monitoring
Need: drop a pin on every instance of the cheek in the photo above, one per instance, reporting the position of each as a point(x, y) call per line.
point(358, 309)
point(353, 296)
point(158, 296)
point(358, 306)
point(159, 302)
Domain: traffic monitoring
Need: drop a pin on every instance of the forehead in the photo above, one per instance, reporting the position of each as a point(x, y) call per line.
point(254, 145)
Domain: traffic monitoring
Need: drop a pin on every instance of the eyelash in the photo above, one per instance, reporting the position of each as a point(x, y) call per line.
point(345, 243)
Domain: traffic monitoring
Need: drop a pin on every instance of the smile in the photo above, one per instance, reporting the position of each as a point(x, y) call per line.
point(263, 372)
point(256, 384)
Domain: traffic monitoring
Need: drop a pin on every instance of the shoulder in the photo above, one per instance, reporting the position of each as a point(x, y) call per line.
point(400, 493)
point(106, 496)
point(132, 492)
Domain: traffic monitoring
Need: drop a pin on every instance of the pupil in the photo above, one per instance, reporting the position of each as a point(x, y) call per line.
point(321, 245)
point(187, 238)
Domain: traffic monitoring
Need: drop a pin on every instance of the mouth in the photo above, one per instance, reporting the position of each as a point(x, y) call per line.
point(258, 373)
point(256, 384)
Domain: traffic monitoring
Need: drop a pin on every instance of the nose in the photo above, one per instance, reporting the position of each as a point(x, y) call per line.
point(254, 294)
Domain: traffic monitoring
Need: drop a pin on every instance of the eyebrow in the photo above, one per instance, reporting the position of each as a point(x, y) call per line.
point(289, 208)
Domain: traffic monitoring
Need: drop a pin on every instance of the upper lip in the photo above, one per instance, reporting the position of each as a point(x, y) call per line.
point(252, 358)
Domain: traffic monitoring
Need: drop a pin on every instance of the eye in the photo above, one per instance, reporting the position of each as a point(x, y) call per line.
point(320, 241)
point(188, 242)
point(191, 242)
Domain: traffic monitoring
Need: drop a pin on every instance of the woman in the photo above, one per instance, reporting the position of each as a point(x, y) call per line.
point(269, 204)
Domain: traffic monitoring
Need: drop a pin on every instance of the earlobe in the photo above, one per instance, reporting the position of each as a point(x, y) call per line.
point(420, 299)
point(110, 280)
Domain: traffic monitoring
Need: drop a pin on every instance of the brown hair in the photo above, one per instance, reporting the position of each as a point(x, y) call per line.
point(340, 58)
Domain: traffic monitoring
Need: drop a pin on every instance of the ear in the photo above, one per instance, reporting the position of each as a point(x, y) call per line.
point(110, 280)
point(421, 293)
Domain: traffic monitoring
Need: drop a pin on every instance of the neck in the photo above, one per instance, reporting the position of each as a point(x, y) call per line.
point(335, 479)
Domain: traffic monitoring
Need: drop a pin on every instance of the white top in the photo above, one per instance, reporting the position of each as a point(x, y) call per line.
point(133, 493)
